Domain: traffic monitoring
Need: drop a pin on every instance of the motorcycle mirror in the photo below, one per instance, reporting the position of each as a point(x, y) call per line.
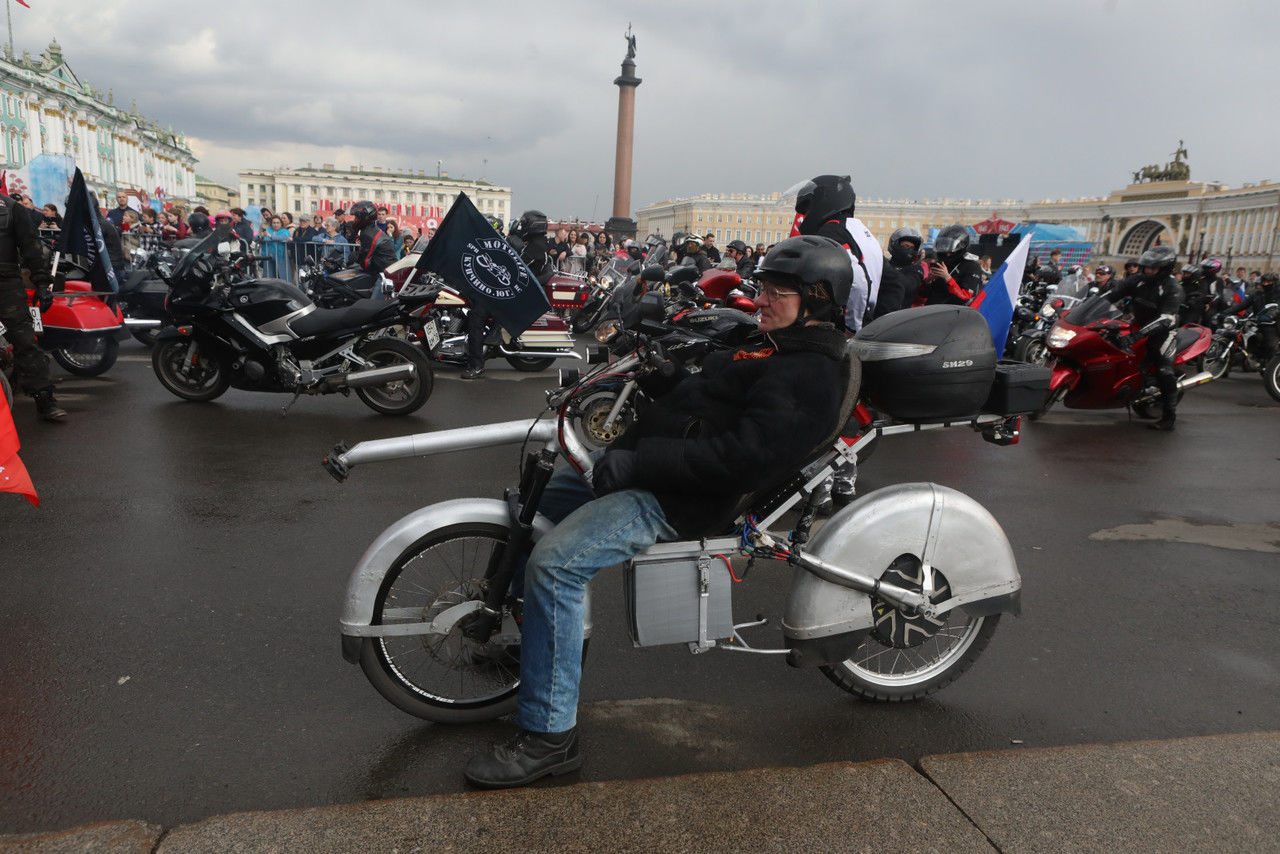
point(652, 273)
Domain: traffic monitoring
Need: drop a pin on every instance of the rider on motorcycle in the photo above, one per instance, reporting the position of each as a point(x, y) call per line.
point(955, 277)
point(747, 420)
point(1267, 292)
point(693, 254)
point(1104, 277)
point(1154, 301)
point(376, 251)
point(904, 258)
point(737, 251)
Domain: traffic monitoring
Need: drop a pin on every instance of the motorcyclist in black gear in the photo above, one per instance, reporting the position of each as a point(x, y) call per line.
point(1104, 278)
point(955, 278)
point(904, 258)
point(528, 237)
point(737, 251)
point(826, 203)
point(1154, 300)
point(1199, 286)
point(376, 251)
point(693, 254)
point(20, 247)
point(1265, 293)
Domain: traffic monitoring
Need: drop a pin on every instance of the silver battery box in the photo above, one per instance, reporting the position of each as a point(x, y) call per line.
point(680, 593)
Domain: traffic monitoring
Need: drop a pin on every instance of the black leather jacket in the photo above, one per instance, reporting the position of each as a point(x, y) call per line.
point(376, 252)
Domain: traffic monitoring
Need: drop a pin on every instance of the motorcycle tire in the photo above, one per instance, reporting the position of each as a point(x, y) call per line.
point(1271, 377)
point(860, 676)
point(400, 397)
point(1049, 403)
point(7, 389)
point(530, 364)
point(89, 358)
point(202, 381)
point(1031, 350)
point(447, 679)
point(146, 337)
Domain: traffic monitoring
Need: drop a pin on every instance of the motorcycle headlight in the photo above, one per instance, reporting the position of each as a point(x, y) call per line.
point(607, 331)
point(606, 282)
point(1047, 311)
point(1059, 336)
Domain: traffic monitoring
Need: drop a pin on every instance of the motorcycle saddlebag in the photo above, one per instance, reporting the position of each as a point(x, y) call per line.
point(663, 588)
point(927, 363)
point(1019, 388)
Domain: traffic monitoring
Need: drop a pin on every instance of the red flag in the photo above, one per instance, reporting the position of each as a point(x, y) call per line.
point(4, 189)
point(24, 3)
point(13, 474)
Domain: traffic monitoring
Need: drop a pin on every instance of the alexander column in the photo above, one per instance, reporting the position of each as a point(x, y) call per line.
point(621, 224)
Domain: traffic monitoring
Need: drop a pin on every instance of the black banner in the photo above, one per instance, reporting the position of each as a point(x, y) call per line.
point(81, 235)
point(474, 259)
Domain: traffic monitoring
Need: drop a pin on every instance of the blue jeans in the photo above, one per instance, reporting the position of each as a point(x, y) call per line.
point(590, 534)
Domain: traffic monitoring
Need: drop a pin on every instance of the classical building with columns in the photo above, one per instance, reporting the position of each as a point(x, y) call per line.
point(46, 109)
point(1238, 225)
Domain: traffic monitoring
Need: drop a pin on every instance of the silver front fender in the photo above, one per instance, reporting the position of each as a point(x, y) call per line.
point(946, 529)
point(366, 580)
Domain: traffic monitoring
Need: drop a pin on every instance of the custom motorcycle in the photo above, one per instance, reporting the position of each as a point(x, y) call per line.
point(266, 335)
point(894, 597)
point(1092, 369)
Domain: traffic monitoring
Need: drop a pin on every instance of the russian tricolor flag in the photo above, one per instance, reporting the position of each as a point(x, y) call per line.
point(998, 298)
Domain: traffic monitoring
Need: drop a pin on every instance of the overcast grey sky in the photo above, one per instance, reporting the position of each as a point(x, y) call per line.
point(924, 99)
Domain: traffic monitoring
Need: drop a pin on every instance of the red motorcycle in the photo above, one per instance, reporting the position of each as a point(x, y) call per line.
point(81, 330)
point(1092, 370)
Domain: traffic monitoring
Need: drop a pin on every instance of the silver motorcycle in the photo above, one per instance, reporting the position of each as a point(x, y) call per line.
point(893, 598)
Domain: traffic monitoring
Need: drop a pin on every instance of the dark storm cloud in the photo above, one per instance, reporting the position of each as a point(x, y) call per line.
point(915, 100)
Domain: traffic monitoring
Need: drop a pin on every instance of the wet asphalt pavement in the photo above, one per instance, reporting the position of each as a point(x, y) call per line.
point(171, 646)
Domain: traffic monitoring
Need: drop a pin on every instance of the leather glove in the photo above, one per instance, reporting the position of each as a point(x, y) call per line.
point(1125, 342)
point(615, 471)
point(44, 298)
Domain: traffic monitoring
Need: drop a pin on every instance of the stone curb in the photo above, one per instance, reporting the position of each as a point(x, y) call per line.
point(1206, 793)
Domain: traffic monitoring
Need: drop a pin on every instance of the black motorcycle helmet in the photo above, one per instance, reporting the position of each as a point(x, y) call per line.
point(1104, 270)
point(817, 267)
point(1049, 275)
point(737, 246)
point(532, 223)
point(1268, 281)
point(1161, 258)
point(495, 222)
point(1130, 263)
point(1210, 268)
point(199, 224)
point(363, 213)
point(825, 198)
point(951, 244)
point(900, 254)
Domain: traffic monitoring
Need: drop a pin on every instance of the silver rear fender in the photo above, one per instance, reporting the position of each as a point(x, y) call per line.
point(946, 529)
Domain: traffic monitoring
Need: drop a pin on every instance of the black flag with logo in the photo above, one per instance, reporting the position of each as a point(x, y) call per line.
point(81, 235)
point(473, 258)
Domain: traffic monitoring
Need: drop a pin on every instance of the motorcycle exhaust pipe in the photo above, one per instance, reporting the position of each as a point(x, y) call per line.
point(142, 323)
point(542, 354)
point(1194, 380)
point(373, 376)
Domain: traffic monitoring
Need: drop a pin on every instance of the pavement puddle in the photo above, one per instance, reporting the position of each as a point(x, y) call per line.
point(1238, 536)
point(667, 723)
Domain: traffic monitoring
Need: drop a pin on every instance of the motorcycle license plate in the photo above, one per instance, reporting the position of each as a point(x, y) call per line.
point(432, 333)
point(37, 325)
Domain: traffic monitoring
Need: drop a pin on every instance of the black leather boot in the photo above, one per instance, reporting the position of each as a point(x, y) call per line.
point(524, 758)
point(47, 407)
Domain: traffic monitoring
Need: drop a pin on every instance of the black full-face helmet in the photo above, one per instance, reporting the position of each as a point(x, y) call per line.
point(951, 244)
point(530, 224)
point(904, 244)
point(817, 267)
point(1049, 274)
point(1210, 268)
point(1161, 258)
point(363, 213)
point(825, 198)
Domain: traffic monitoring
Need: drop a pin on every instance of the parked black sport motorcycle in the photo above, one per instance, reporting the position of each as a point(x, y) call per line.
point(266, 335)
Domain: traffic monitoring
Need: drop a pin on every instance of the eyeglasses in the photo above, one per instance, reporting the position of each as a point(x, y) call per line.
point(775, 293)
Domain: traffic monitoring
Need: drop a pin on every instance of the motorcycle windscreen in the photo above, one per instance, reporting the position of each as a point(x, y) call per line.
point(1092, 309)
point(208, 245)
